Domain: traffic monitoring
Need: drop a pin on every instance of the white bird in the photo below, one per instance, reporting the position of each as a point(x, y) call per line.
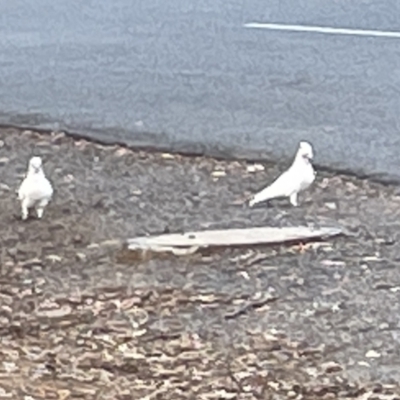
point(35, 190)
point(297, 178)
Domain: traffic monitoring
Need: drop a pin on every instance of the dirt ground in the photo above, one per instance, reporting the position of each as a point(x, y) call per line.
point(80, 320)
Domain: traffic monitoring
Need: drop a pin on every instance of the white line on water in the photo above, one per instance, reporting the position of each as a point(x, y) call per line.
point(323, 29)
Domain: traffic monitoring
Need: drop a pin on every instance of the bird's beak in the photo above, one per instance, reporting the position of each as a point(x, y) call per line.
point(309, 156)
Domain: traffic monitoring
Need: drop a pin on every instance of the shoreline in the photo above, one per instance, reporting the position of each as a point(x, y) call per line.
point(199, 323)
point(228, 155)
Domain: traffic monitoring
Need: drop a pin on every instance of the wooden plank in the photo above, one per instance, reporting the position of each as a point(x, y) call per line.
point(192, 241)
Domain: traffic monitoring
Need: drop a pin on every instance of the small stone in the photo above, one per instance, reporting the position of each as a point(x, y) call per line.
point(331, 206)
point(333, 263)
point(300, 281)
point(331, 367)
point(4, 161)
point(34, 262)
point(55, 313)
point(111, 243)
point(12, 252)
point(27, 132)
point(218, 174)
point(2, 143)
point(53, 258)
point(9, 366)
point(329, 396)
point(324, 184)
point(269, 337)
point(57, 137)
point(78, 238)
point(363, 364)
point(255, 168)
point(68, 178)
point(80, 257)
point(4, 394)
point(312, 371)
point(274, 385)
point(335, 307)
point(63, 394)
point(121, 152)
point(245, 275)
point(372, 354)
point(43, 143)
point(371, 258)
point(167, 156)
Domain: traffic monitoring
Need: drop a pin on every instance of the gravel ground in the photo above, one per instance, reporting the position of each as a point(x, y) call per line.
point(81, 319)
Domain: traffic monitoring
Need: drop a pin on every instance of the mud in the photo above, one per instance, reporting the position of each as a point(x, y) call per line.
point(78, 319)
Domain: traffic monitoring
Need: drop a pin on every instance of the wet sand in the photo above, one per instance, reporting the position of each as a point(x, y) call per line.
point(78, 319)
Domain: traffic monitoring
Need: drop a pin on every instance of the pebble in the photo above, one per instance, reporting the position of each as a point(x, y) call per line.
point(121, 152)
point(363, 364)
point(111, 243)
point(331, 366)
point(80, 257)
point(4, 394)
point(53, 258)
point(255, 168)
point(9, 366)
point(167, 156)
point(4, 161)
point(333, 263)
point(372, 354)
point(27, 132)
point(55, 313)
point(218, 174)
point(57, 137)
point(34, 262)
point(331, 206)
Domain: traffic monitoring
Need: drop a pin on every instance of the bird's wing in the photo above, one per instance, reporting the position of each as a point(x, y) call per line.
point(23, 189)
point(36, 189)
point(283, 186)
point(47, 188)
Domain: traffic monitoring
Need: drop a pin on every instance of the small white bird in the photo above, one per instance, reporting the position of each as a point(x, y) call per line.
point(297, 178)
point(35, 190)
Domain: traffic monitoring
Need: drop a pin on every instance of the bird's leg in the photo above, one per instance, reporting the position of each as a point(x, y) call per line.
point(24, 210)
point(40, 208)
point(39, 212)
point(293, 199)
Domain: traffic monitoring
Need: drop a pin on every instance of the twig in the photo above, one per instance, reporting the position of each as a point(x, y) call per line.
point(251, 305)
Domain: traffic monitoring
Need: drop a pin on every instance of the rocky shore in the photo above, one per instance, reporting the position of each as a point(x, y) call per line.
point(79, 320)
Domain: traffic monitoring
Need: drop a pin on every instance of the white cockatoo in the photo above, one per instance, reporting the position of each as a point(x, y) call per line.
point(297, 178)
point(35, 190)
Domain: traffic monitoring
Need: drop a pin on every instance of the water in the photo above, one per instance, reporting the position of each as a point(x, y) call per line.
point(188, 76)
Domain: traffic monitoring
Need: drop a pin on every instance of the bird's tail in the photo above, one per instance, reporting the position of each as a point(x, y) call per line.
point(270, 192)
